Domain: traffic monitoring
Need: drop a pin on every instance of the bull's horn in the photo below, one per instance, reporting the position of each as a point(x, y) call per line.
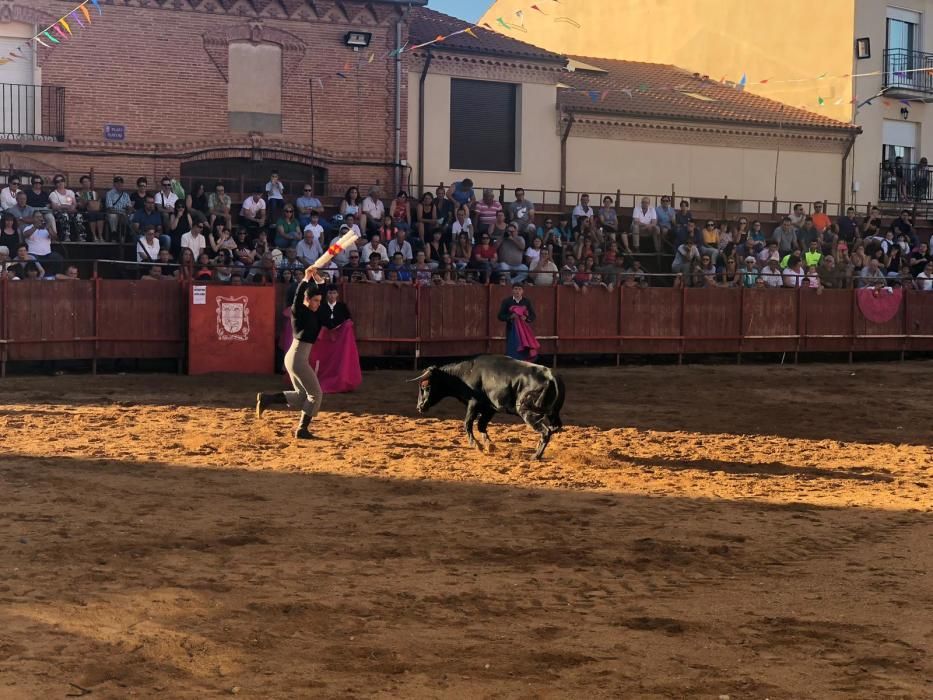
point(423, 375)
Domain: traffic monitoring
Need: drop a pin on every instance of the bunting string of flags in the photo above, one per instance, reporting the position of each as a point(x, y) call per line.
point(58, 32)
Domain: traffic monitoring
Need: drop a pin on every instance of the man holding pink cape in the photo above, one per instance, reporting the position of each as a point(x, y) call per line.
point(518, 314)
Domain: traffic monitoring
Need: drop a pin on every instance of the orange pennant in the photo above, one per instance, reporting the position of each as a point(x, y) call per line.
point(439, 38)
point(87, 15)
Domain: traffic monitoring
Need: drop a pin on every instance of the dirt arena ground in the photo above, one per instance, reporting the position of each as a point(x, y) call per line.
point(756, 532)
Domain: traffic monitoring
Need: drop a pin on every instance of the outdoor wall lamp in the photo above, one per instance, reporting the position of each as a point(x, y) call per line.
point(905, 113)
point(357, 40)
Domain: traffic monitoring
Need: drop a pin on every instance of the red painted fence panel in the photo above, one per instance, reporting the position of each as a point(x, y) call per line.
point(139, 319)
point(771, 313)
point(55, 314)
point(652, 318)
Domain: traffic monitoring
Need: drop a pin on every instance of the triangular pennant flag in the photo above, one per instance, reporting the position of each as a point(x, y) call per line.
point(342, 75)
point(65, 25)
point(4, 61)
point(74, 16)
point(905, 102)
point(50, 37)
point(96, 4)
point(594, 95)
point(346, 67)
point(320, 82)
point(602, 98)
point(502, 22)
point(626, 91)
point(838, 102)
point(41, 42)
point(764, 81)
point(59, 31)
point(820, 101)
point(535, 7)
point(372, 57)
point(469, 30)
point(643, 87)
point(743, 80)
point(487, 25)
point(886, 103)
point(87, 15)
point(439, 37)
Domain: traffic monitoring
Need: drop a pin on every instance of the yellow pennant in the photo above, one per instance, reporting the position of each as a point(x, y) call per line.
point(65, 25)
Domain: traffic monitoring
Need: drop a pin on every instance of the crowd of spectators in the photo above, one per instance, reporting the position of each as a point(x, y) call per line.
point(450, 236)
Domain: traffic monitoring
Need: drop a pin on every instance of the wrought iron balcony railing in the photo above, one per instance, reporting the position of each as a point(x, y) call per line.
point(910, 71)
point(32, 112)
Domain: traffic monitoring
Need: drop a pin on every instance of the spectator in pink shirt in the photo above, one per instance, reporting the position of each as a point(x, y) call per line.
point(486, 211)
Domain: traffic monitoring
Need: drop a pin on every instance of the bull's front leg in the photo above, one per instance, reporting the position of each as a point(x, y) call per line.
point(471, 413)
point(484, 417)
point(538, 422)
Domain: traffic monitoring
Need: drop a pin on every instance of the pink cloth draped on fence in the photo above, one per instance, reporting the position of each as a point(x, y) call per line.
point(334, 356)
point(526, 336)
point(881, 305)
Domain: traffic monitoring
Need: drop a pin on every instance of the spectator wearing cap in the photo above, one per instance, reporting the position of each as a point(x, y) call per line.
point(118, 207)
point(748, 276)
point(522, 212)
point(771, 273)
point(486, 211)
point(666, 219)
point(583, 210)
point(373, 211)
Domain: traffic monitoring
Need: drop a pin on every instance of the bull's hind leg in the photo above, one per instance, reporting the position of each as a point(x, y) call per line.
point(538, 422)
point(484, 417)
point(471, 414)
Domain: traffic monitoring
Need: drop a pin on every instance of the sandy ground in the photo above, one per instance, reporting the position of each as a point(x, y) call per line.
point(757, 532)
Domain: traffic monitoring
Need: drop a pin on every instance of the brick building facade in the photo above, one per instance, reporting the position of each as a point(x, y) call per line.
point(215, 83)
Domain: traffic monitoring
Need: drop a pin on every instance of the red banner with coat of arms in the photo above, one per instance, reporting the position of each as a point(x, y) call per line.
point(231, 329)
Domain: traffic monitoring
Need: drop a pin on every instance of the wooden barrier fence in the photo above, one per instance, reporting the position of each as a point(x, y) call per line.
point(119, 319)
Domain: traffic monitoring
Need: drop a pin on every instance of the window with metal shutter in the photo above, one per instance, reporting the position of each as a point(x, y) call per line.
point(482, 125)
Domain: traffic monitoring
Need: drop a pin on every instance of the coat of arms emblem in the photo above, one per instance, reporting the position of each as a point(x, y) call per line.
point(232, 318)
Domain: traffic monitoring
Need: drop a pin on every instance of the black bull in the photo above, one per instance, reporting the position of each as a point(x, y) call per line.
point(491, 383)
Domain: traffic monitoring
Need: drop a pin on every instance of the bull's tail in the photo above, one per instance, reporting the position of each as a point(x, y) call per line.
point(552, 400)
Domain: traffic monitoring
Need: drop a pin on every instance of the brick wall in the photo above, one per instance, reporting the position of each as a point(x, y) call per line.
point(161, 72)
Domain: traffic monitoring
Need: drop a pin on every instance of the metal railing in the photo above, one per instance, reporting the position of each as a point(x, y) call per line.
point(32, 112)
point(908, 70)
point(905, 182)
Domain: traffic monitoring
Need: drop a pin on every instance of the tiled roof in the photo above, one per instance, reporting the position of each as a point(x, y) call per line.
point(659, 90)
point(427, 24)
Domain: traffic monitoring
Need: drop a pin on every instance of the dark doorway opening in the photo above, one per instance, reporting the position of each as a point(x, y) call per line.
point(241, 176)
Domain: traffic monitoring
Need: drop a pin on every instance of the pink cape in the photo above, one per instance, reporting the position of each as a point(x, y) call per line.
point(526, 336)
point(334, 356)
point(879, 306)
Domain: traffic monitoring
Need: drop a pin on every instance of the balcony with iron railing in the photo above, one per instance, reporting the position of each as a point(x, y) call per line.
point(32, 113)
point(908, 73)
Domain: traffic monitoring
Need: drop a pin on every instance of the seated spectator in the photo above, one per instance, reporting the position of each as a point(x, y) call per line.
point(138, 197)
point(645, 223)
point(484, 257)
point(872, 275)
point(848, 226)
point(770, 251)
point(221, 240)
point(264, 271)
point(24, 262)
point(437, 249)
point(288, 231)
point(828, 239)
point(666, 220)
point(568, 271)
point(748, 276)
point(196, 202)
point(583, 210)
point(858, 259)
point(350, 222)
point(401, 211)
point(204, 270)
point(169, 271)
point(918, 258)
point(813, 255)
point(148, 246)
point(38, 240)
point(756, 239)
point(64, 206)
point(533, 252)
point(510, 253)
point(709, 238)
point(291, 262)
point(924, 281)
point(374, 270)
point(90, 216)
point(608, 217)
point(180, 223)
point(705, 273)
point(71, 273)
point(194, 240)
point(315, 227)
point(354, 271)
point(397, 270)
point(118, 208)
point(463, 224)
point(772, 274)
point(727, 239)
point(351, 204)
point(245, 255)
point(522, 213)
point(21, 211)
point(893, 262)
point(426, 216)
point(786, 237)
point(728, 271)
point(8, 193)
point(375, 246)
point(38, 199)
point(400, 245)
point(310, 248)
point(9, 232)
point(904, 224)
point(307, 205)
point(219, 204)
point(797, 216)
point(499, 229)
point(373, 211)
point(5, 263)
point(811, 278)
point(820, 220)
point(807, 234)
point(460, 193)
point(422, 270)
point(544, 271)
point(275, 196)
point(829, 274)
point(685, 256)
point(153, 273)
point(148, 216)
point(487, 211)
point(165, 200)
point(637, 273)
point(462, 252)
point(387, 229)
point(872, 224)
point(253, 213)
point(186, 267)
point(586, 271)
point(683, 217)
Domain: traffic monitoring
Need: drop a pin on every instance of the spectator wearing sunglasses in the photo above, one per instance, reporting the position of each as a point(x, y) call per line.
point(306, 205)
point(38, 199)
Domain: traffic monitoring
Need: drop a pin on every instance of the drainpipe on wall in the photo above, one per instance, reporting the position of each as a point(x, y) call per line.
point(424, 76)
point(563, 160)
point(843, 191)
point(398, 98)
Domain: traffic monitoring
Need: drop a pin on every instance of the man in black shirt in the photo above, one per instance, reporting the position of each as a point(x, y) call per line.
point(848, 226)
point(38, 199)
point(334, 312)
point(138, 198)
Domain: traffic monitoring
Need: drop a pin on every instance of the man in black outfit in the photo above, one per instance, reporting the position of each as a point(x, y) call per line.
point(507, 315)
point(334, 312)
